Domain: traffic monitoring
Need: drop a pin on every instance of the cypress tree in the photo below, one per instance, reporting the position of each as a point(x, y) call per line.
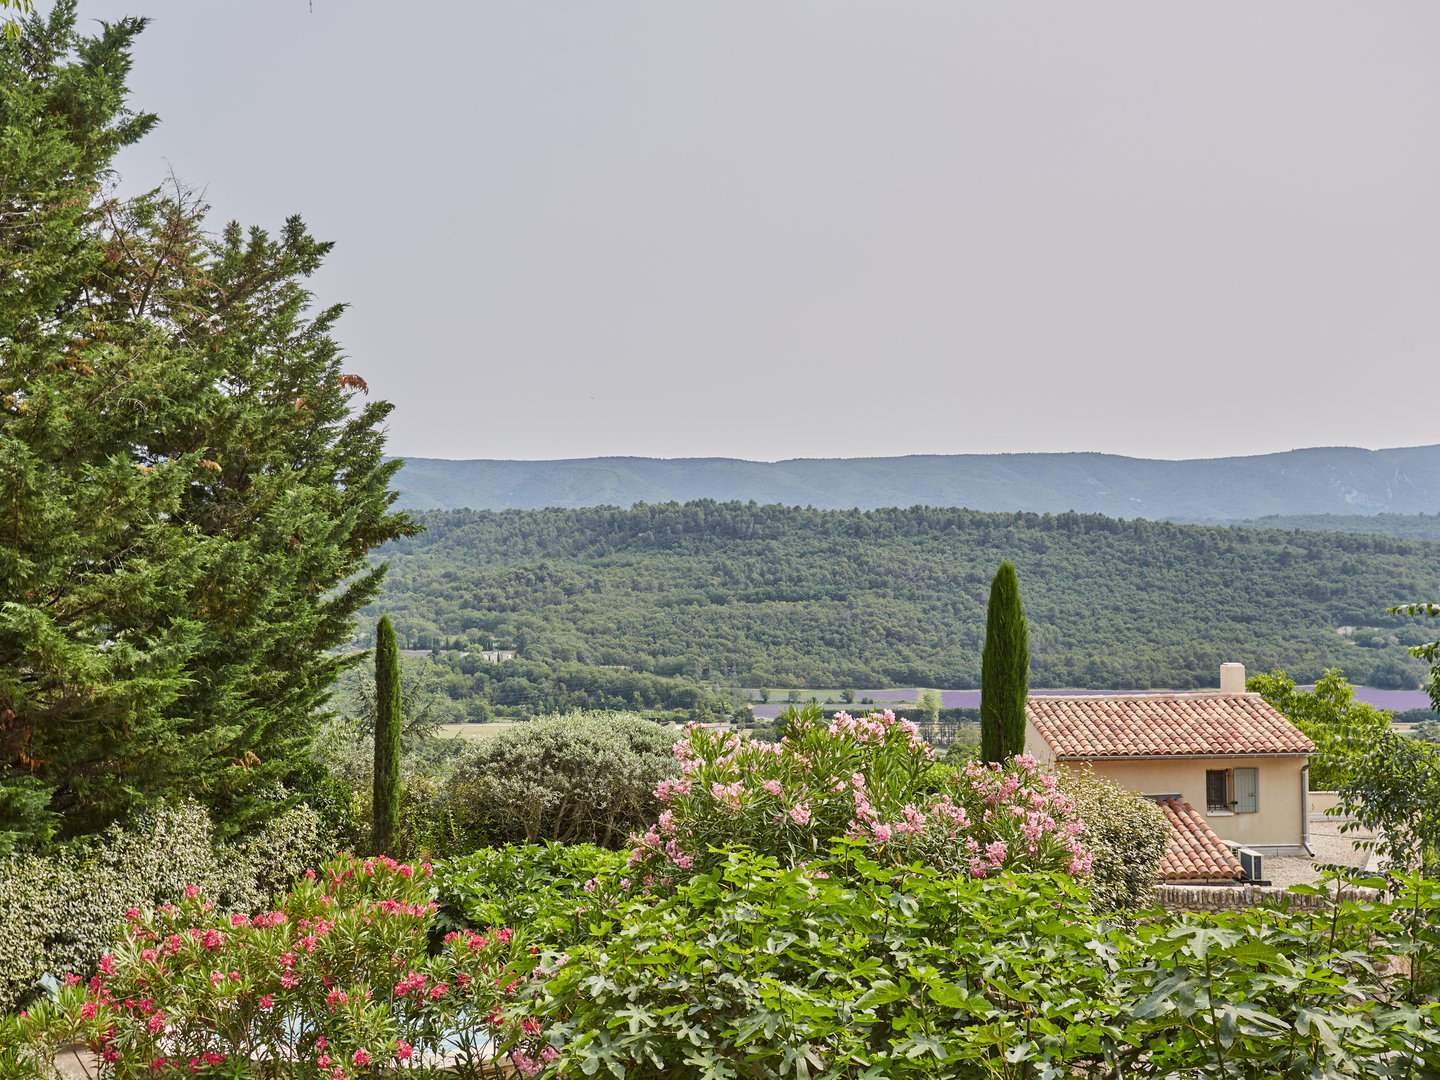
point(1004, 669)
point(386, 811)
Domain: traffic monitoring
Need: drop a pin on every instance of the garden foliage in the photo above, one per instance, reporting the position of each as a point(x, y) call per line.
point(869, 778)
point(854, 969)
point(1125, 835)
point(58, 911)
point(1393, 791)
point(578, 778)
point(565, 887)
point(336, 981)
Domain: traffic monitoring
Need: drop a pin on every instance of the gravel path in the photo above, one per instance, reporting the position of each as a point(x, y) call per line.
point(1330, 846)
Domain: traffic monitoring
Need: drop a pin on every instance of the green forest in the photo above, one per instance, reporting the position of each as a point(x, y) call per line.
point(1410, 526)
point(738, 594)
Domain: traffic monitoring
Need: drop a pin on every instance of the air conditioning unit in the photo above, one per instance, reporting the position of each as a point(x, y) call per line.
point(1252, 863)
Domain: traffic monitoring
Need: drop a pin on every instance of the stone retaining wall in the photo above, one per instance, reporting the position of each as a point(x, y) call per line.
point(1212, 898)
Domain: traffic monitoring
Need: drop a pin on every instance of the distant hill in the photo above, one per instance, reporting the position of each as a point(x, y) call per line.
point(1321, 481)
point(1409, 526)
point(754, 595)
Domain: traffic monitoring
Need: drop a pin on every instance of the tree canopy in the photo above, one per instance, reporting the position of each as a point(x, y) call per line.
point(780, 596)
point(1342, 728)
point(188, 485)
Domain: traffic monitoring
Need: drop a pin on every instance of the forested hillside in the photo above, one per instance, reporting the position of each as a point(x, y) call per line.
point(1410, 526)
point(779, 596)
point(1320, 480)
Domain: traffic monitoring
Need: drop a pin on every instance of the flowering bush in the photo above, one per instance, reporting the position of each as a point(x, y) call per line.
point(868, 778)
point(59, 911)
point(336, 982)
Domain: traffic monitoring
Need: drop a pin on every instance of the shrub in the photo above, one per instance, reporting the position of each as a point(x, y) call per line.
point(58, 911)
point(578, 778)
point(869, 778)
point(554, 890)
point(1125, 833)
point(853, 969)
point(338, 980)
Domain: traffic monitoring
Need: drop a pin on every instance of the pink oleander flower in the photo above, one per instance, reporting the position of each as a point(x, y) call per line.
point(361, 1057)
point(192, 891)
point(800, 814)
point(266, 1001)
point(403, 1050)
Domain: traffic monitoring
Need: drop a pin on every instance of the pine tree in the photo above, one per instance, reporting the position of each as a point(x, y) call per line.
point(1004, 669)
point(189, 484)
point(386, 813)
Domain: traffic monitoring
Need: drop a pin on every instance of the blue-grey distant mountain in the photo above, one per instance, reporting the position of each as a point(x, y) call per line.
point(1324, 480)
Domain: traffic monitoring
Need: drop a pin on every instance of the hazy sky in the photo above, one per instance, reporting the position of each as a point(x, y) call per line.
point(774, 228)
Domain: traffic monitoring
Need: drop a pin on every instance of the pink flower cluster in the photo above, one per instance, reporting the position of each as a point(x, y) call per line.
point(863, 777)
point(187, 990)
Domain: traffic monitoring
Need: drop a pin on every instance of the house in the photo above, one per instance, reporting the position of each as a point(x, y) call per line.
point(497, 656)
point(1227, 769)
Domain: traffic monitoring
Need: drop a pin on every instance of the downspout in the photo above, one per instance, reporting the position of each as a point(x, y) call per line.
point(1305, 808)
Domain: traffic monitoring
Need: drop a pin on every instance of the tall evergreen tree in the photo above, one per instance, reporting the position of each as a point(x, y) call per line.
point(386, 814)
point(188, 484)
point(1004, 669)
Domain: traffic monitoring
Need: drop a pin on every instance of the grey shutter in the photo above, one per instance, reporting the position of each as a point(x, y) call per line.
point(1247, 791)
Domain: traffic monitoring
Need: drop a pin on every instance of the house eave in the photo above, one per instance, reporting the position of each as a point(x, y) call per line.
point(1181, 757)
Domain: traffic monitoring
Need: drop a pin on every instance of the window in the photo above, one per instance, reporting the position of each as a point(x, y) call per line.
point(1234, 791)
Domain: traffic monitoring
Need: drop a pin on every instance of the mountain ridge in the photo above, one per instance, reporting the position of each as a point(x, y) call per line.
point(1305, 481)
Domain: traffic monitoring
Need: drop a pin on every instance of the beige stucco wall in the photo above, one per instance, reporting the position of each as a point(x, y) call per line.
point(1278, 822)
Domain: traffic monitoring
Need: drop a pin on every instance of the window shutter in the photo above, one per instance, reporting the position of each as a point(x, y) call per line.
point(1247, 791)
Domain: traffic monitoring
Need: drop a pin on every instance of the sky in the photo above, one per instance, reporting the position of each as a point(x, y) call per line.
point(823, 228)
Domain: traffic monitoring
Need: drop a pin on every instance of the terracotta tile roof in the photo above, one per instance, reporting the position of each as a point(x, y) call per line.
point(1193, 855)
point(1163, 724)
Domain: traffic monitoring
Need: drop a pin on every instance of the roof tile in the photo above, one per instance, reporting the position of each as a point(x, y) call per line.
point(1155, 726)
point(1194, 855)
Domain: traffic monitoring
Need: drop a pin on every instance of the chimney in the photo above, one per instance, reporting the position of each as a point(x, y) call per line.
point(1232, 678)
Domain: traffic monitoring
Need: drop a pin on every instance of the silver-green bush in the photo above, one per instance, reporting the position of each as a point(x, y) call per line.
point(582, 777)
point(1126, 834)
